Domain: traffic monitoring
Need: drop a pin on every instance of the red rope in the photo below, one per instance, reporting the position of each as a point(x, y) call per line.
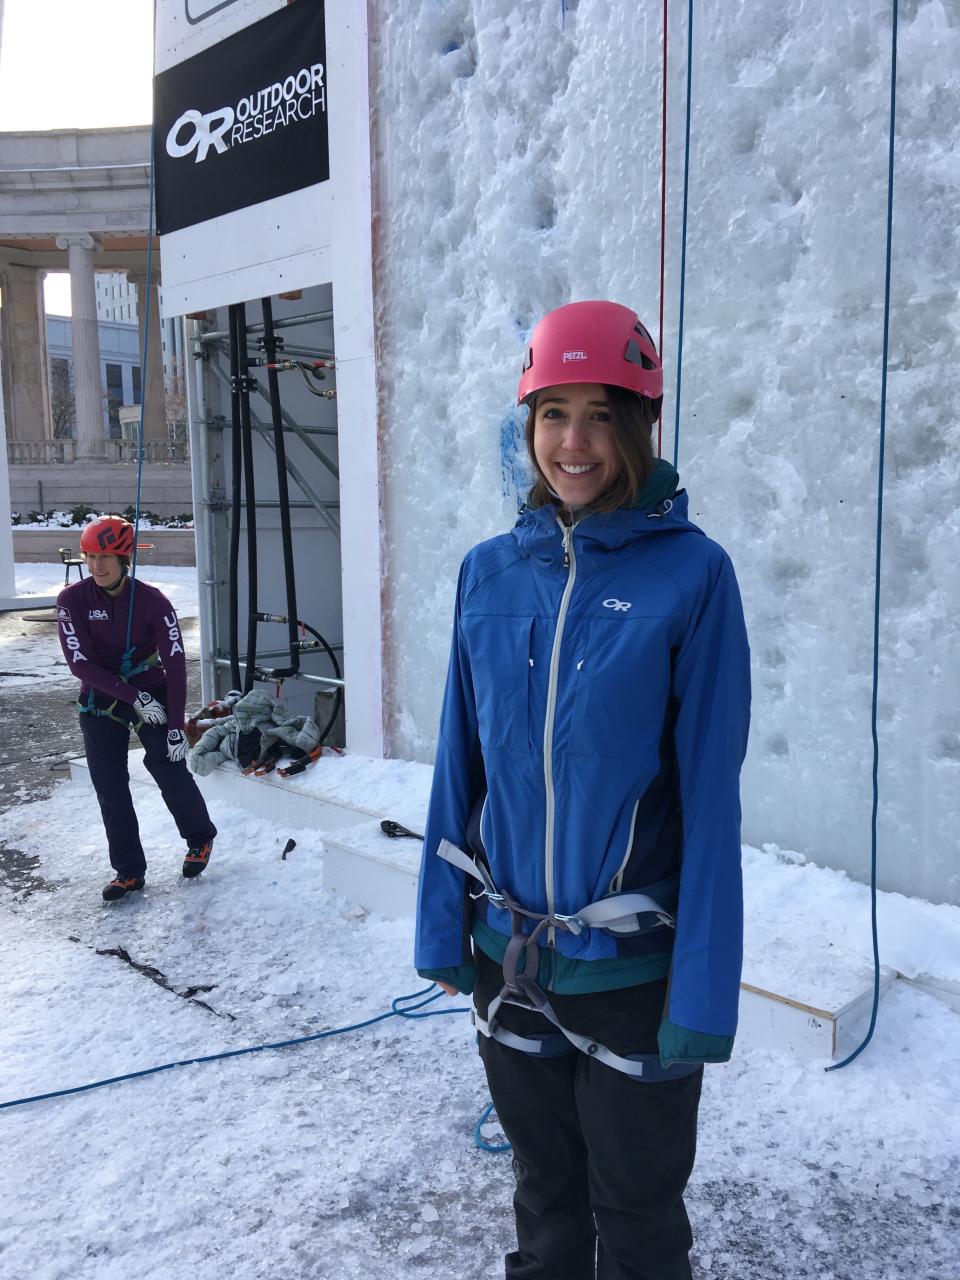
point(663, 212)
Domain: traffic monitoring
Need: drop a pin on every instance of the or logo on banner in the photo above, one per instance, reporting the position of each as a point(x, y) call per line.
point(299, 97)
point(244, 121)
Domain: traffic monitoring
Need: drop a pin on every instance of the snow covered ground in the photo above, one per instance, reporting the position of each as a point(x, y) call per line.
point(354, 1156)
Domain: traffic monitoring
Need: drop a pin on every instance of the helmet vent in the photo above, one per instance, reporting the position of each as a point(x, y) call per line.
point(636, 356)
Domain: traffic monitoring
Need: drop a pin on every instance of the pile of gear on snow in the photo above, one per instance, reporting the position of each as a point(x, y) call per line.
point(255, 731)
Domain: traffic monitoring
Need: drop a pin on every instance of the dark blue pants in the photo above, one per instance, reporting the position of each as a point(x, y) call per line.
point(106, 742)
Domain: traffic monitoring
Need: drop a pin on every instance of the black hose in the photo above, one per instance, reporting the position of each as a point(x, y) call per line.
point(270, 349)
point(234, 561)
point(338, 699)
point(250, 497)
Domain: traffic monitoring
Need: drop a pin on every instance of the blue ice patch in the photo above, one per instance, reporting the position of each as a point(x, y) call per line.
point(516, 475)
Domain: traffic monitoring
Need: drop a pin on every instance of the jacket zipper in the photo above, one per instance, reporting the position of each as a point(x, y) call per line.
point(616, 884)
point(570, 564)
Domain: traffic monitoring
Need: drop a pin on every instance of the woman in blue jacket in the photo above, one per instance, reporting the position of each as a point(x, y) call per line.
point(581, 861)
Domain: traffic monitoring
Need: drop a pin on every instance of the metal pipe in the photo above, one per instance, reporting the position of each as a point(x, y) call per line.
point(291, 322)
point(206, 555)
point(316, 502)
point(303, 675)
point(237, 467)
point(268, 505)
point(249, 481)
point(297, 430)
point(306, 646)
point(290, 425)
point(270, 348)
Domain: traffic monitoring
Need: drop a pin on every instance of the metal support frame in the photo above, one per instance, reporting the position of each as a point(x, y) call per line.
point(291, 322)
point(293, 471)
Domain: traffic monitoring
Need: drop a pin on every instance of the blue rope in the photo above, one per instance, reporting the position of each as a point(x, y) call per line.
point(397, 1010)
point(480, 1142)
point(126, 662)
point(683, 235)
point(876, 585)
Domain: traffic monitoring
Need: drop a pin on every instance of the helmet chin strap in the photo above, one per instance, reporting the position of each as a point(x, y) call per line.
point(113, 585)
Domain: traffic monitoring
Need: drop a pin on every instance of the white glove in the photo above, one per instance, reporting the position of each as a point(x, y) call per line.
point(149, 709)
point(176, 745)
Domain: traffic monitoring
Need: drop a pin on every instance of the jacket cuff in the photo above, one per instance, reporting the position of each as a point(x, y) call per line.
point(461, 976)
point(678, 1044)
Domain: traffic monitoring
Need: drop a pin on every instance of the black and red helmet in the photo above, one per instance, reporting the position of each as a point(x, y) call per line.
point(111, 535)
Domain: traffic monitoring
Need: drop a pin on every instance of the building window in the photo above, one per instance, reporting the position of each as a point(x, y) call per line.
point(114, 399)
point(137, 393)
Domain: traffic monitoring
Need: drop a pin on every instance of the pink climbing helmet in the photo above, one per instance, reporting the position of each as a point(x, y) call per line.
point(592, 342)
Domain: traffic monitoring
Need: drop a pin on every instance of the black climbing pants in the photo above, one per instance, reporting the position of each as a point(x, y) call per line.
point(106, 740)
point(601, 1160)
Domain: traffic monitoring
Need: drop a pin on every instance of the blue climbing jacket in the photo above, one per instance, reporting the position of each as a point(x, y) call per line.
point(595, 717)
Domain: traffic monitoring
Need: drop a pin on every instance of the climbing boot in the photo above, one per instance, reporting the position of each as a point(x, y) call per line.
point(120, 886)
point(196, 860)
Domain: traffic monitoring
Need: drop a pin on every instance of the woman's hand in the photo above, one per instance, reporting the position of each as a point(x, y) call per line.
point(451, 991)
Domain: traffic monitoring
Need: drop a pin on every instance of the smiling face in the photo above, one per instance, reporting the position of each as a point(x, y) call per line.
point(104, 569)
point(574, 442)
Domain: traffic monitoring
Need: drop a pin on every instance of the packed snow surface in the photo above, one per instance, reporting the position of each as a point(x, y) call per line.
point(353, 1156)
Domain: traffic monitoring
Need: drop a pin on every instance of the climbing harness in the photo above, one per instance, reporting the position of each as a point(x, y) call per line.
point(619, 914)
point(90, 708)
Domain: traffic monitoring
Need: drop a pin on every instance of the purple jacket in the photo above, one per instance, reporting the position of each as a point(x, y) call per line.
point(93, 636)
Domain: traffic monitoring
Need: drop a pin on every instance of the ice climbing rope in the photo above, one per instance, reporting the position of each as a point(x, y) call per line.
point(400, 1007)
point(127, 667)
point(663, 211)
point(683, 233)
point(878, 557)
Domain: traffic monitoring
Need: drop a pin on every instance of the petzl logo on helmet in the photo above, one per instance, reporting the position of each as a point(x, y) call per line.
point(568, 356)
point(207, 132)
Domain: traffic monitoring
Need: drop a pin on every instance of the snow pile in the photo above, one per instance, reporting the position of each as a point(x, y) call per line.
point(66, 520)
point(519, 169)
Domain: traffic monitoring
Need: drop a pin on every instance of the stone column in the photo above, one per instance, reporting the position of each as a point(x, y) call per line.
point(151, 386)
point(26, 388)
point(88, 388)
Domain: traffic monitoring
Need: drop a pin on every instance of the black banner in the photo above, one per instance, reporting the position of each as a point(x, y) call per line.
point(244, 121)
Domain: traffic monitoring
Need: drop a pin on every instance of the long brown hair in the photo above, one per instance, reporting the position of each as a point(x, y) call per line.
point(633, 417)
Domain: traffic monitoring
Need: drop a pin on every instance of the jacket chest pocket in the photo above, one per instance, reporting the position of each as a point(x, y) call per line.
point(500, 657)
point(622, 684)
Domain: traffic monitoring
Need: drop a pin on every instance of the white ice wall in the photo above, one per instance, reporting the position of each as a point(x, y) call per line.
point(518, 168)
